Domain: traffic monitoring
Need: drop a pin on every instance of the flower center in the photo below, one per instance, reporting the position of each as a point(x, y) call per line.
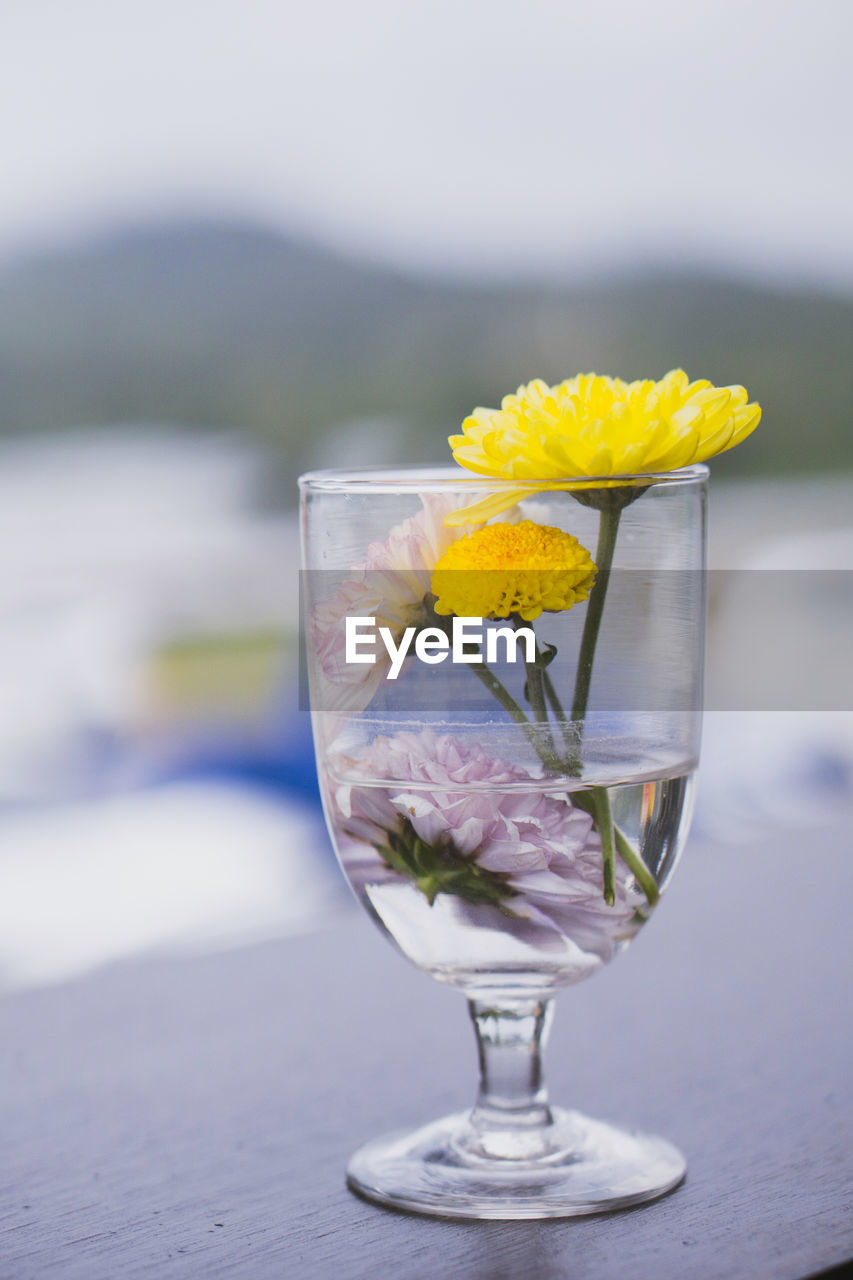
point(503, 569)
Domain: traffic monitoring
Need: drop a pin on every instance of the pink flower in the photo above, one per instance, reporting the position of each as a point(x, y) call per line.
point(389, 586)
point(495, 814)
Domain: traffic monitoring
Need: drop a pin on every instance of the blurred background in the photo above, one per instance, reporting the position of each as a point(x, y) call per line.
point(239, 240)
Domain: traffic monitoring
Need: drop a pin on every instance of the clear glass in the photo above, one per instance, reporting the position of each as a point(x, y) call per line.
point(510, 809)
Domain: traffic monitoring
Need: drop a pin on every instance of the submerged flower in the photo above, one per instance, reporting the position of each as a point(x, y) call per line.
point(599, 426)
point(389, 586)
point(521, 568)
point(458, 822)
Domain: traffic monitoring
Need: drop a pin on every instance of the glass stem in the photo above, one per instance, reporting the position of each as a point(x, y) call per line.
point(511, 1118)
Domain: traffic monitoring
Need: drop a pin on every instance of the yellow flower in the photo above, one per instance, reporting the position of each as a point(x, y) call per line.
point(598, 426)
point(512, 568)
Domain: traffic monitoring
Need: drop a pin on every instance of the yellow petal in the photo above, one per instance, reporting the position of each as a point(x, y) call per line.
point(595, 425)
point(488, 507)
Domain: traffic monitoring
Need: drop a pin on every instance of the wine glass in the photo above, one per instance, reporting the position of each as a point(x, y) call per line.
point(507, 803)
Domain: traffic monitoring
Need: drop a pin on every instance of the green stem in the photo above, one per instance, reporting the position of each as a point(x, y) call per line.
point(503, 695)
point(539, 707)
point(608, 527)
point(604, 822)
point(536, 692)
point(557, 708)
point(541, 692)
point(590, 801)
point(637, 867)
point(534, 733)
point(596, 800)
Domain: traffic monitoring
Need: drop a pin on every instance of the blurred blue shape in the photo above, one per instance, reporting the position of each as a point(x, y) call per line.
point(281, 761)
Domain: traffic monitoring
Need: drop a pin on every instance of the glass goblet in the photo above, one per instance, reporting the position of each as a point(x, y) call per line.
point(507, 793)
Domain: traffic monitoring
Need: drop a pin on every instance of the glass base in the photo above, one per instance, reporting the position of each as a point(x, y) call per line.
point(586, 1167)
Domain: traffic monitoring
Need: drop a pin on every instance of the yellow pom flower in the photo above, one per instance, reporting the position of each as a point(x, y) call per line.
point(598, 426)
point(521, 568)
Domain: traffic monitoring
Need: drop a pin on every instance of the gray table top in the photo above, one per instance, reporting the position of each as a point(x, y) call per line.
point(192, 1117)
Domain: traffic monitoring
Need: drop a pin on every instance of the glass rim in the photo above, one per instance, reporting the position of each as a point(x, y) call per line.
point(446, 479)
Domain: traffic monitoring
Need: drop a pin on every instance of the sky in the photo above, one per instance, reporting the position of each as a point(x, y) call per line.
point(495, 137)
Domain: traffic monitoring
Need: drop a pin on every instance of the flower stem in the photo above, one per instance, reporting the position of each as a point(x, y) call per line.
point(604, 822)
point(541, 692)
point(637, 867)
point(534, 732)
point(608, 527)
point(595, 802)
point(557, 708)
point(539, 707)
point(503, 696)
point(536, 692)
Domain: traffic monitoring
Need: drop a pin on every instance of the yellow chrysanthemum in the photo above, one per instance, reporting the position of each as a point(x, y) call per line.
point(521, 568)
point(598, 426)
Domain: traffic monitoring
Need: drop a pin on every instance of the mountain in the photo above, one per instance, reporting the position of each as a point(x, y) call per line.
point(221, 326)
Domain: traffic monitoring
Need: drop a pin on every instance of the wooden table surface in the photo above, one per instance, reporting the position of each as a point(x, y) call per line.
point(192, 1117)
